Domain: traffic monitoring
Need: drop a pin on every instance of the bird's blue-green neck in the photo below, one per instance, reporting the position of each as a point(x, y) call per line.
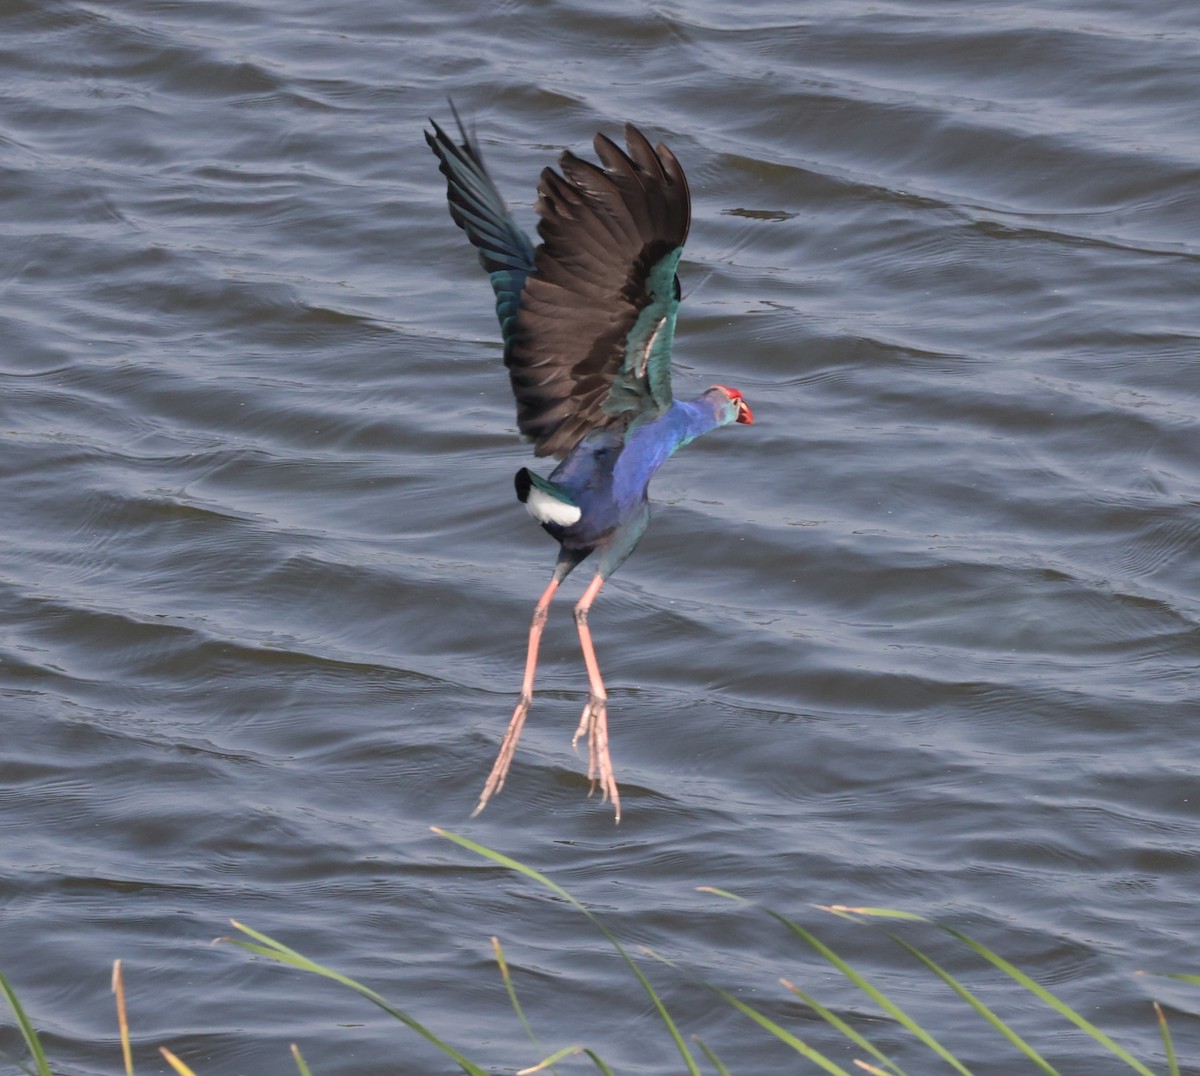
point(648, 445)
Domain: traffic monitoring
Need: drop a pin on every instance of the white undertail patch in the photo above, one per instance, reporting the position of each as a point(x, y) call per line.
point(547, 509)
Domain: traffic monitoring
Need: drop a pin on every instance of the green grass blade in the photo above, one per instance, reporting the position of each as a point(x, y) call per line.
point(980, 1008)
point(715, 1061)
point(844, 1028)
point(32, 1042)
point(781, 1033)
point(542, 880)
point(301, 1064)
point(280, 953)
point(721, 893)
point(875, 994)
point(513, 999)
point(548, 1063)
point(1059, 1006)
point(598, 1063)
point(1168, 1045)
point(1181, 976)
point(845, 911)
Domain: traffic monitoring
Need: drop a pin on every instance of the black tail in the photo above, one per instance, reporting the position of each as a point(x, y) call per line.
point(524, 482)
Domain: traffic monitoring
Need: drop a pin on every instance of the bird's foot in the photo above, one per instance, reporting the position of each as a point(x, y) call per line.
point(594, 724)
point(508, 747)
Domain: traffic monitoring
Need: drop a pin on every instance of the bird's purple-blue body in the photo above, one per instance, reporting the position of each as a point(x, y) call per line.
point(588, 320)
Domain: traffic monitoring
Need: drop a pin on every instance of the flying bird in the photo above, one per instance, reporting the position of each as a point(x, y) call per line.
point(588, 320)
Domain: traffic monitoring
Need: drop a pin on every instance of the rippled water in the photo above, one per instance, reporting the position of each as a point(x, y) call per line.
point(924, 636)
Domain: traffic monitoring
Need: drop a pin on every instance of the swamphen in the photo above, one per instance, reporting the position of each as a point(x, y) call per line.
point(587, 320)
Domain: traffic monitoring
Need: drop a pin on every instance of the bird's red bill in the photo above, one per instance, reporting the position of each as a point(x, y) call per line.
point(744, 414)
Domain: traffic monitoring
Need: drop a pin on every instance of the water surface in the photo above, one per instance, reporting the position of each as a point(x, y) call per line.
point(924, 636)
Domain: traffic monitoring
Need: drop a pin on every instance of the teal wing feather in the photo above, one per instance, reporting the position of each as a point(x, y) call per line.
point(477, 207)
point(642, 386)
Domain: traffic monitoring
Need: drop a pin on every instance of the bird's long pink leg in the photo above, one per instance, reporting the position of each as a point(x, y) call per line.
point(594, 721)
point(508, 745)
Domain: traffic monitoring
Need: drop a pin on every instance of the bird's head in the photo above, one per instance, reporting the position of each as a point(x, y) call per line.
point(741, 409)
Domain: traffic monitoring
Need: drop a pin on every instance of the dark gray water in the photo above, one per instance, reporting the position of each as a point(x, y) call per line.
point(924, 636)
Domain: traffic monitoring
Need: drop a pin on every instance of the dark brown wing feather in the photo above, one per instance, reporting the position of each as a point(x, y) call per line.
point(603, 229)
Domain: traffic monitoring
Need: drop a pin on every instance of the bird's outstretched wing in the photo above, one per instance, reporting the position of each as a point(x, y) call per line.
point(591, 345)
point(588, 320)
